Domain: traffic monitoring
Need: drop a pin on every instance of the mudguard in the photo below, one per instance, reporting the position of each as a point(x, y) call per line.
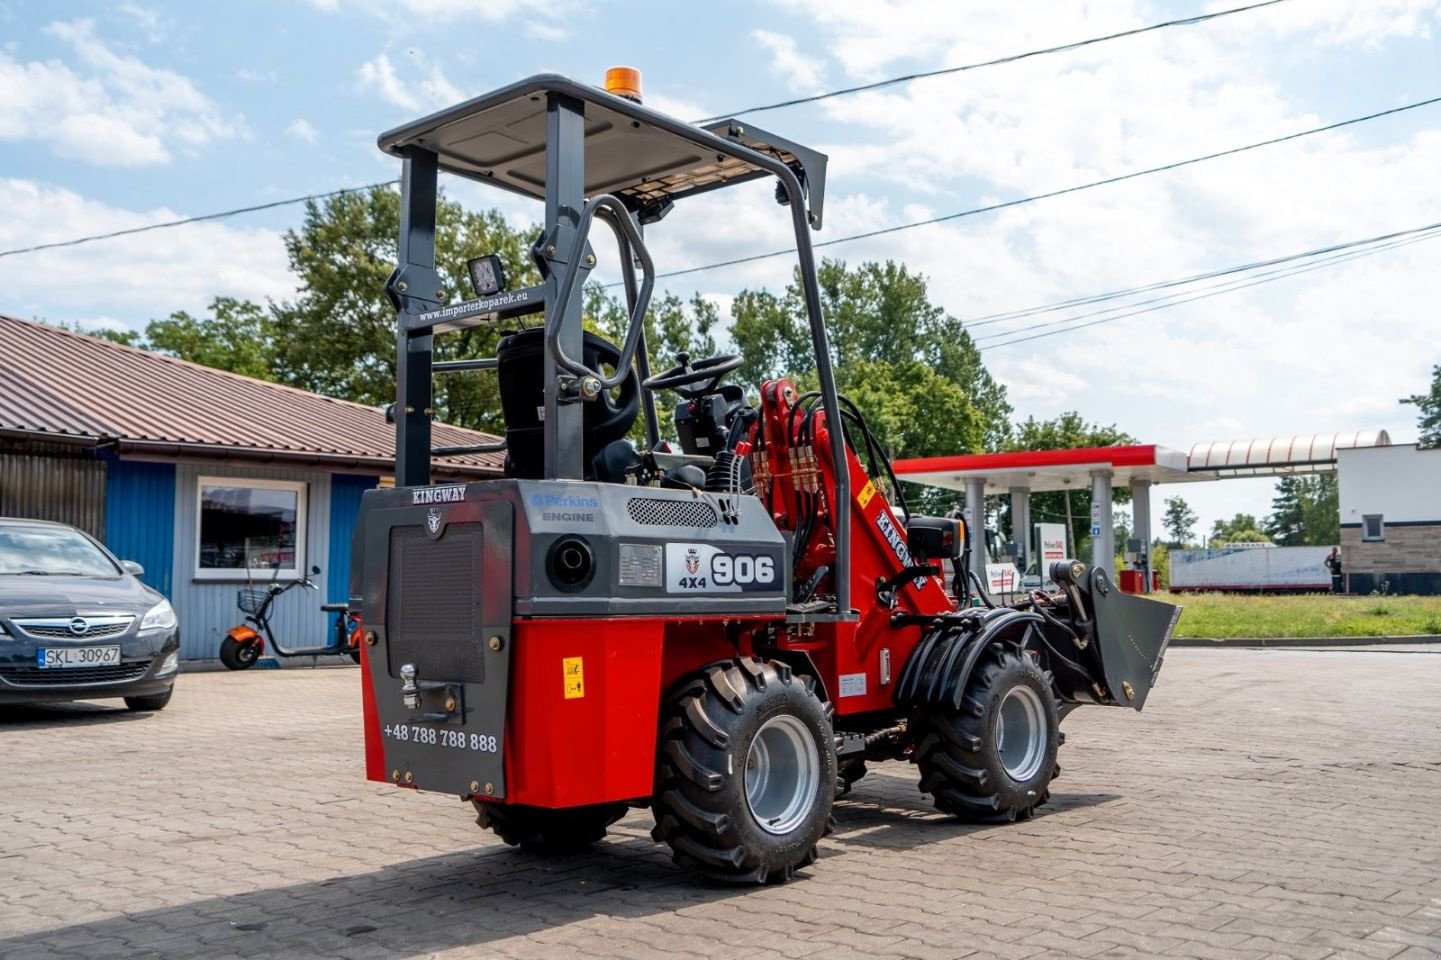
point(243, 634)
point(1131, 634)
point(937, 672)
point(1106, 649)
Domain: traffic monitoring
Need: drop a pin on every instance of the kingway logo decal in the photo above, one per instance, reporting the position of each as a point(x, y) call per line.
point(424, 496)
point(887, 523)
point(432, 521)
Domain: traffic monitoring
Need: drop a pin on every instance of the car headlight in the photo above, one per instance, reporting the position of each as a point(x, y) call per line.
point(170, 664)
point(159, 617)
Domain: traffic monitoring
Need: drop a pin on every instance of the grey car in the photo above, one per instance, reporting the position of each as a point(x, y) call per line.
point(77, 624)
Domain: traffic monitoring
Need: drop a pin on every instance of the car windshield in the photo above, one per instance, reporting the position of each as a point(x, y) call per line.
point(51, 551)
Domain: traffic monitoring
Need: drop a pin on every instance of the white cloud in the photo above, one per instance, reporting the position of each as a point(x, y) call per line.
point(428, 92)
point(133, 279)
point(113, 111)
point(146, 19)
point(1329, 350)
point(300, 129)
point(547, 31)
point(445, 11)
point(802, 74)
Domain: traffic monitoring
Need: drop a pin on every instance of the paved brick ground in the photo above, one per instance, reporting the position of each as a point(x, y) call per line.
point(1268, 803)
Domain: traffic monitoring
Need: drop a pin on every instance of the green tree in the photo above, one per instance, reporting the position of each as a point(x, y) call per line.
point(1286, 525)
point(237, 335)
point(129, 338)
point(1428, 410)
point(1321, 510)
point(1305, 512)
point(337, 337)
point(1242, 528)
point(909, 365)
point(1068, 431)
point(1180, 522)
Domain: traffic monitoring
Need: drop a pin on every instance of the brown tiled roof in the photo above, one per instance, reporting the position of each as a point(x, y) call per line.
point(58, 384)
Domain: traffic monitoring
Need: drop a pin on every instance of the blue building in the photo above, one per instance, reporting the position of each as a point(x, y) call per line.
point(208, 479)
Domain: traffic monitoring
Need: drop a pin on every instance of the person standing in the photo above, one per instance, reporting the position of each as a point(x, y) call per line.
point(1333, 563)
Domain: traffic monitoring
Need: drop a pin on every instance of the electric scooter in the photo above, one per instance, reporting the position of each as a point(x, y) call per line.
point(244, 643)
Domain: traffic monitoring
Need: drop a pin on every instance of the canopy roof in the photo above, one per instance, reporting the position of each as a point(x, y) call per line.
point(1273, 455)
point(641, 155)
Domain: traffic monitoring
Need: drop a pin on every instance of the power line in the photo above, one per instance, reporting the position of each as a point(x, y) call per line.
point(1068, 324)
point(1065, 190)
point(1186, 281)
point(223, 214)
point(1074, 45)
point(199, 219)
point(1230, 287)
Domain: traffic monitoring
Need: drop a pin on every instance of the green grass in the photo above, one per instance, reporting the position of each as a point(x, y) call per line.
point(1223, 616)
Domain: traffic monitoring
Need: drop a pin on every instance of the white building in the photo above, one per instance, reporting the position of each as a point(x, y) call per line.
point(1391, 518)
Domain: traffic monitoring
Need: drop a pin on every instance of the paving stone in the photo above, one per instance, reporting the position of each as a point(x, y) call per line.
point(1234, 818)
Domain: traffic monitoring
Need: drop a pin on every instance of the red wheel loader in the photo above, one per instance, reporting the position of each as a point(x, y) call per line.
point(725, 629)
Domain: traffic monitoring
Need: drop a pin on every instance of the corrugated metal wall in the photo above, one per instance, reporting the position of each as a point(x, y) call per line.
point(207, 608)
point(140, 518)
point(68, 489)
point(345, 493)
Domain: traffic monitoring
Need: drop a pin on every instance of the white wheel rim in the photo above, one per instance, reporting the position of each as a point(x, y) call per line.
point(781, 775)
point(1021, 733)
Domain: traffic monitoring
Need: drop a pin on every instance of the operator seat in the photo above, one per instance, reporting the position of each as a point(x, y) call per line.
point(521, 371)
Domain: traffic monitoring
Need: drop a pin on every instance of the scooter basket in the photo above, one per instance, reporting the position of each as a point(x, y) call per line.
point(250, 601)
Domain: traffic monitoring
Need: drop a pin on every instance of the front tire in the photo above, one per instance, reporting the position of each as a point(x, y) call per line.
point(238, 655)
point(745, 773)
point(994, 758)
point(540, 830)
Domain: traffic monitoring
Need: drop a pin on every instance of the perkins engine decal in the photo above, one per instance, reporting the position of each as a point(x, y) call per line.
point(424, 496)
point(702, 568)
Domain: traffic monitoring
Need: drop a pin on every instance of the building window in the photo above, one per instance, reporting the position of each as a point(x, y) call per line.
point(1372, 528)
point(250, 528)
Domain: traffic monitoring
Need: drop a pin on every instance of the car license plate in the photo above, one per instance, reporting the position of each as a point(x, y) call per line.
point(62, 657)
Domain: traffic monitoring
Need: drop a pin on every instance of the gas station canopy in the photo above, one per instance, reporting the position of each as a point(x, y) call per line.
point(1040, 470)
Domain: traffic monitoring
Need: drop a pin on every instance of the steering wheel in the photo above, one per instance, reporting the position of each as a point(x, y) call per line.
point(700, 377)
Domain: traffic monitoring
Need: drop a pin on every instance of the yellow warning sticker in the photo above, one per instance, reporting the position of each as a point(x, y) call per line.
point(574, 671)
point(868, 491)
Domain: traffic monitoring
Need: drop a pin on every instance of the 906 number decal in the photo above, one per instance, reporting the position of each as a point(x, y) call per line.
point(444, 738)
point(742, 569)
point(704, 568)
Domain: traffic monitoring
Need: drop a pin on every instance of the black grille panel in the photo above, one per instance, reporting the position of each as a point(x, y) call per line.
point(65, 633)
point(65, 677)
point(433, 615)
point(671, 513)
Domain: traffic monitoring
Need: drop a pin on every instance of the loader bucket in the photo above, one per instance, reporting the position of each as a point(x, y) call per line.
point(1131, 635)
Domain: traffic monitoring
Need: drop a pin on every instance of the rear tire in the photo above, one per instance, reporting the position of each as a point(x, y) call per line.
point(745, 773)
point(148, 704)
point(239, 656)
point(544, 831)
point(994, 758)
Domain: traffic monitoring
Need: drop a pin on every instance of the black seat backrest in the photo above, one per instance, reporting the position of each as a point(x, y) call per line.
point(521, 369)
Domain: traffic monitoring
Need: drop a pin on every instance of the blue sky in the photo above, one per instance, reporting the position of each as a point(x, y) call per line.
point(115, 115)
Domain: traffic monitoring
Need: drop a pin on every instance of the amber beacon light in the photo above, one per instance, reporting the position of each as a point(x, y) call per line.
point(623, 82)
